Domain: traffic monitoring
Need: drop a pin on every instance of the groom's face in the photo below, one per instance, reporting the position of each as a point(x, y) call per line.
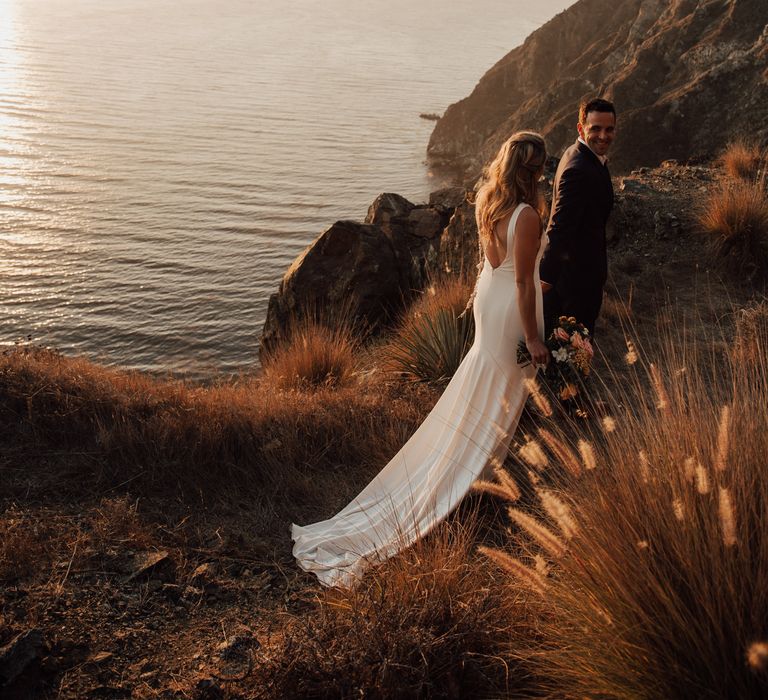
point(598, 131)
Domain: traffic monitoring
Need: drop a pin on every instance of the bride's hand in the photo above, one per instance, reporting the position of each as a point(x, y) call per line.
point(538, 351)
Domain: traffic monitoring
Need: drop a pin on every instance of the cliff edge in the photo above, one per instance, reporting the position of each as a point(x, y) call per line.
point(685, 75)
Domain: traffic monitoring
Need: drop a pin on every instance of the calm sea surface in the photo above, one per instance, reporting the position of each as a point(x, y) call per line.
point(162, 162)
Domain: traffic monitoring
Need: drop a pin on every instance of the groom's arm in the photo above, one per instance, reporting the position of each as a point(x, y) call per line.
point(564, 224)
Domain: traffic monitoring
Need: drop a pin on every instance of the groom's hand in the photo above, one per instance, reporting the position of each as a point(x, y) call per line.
point(545, 286)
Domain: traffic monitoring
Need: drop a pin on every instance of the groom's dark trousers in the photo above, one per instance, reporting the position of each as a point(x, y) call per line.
point(575, 262)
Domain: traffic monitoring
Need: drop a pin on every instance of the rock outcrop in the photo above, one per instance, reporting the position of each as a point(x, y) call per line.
point(686, 77)
point(364, 270)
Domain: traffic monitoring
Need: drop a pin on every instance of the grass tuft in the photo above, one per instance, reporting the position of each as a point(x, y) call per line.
point(432, 340)
point(735, 218)
point(313, 355)
point(743, 160)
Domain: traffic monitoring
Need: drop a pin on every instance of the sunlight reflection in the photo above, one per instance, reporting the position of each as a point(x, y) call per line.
point(16, 188)
point(10, 59)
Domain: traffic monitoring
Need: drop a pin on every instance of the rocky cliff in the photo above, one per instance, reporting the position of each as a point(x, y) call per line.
point(686, 77)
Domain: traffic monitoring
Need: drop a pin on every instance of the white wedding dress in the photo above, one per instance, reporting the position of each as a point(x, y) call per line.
point(469, 426)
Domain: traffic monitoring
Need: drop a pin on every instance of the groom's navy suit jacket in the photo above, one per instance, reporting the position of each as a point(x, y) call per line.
point(576, 262)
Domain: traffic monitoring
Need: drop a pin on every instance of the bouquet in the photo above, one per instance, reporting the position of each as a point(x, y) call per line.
point(571, 352)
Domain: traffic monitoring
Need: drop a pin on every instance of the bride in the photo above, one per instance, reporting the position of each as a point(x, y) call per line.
point(473, 421)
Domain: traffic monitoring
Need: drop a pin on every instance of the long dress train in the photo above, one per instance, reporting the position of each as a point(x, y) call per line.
point(469, 426)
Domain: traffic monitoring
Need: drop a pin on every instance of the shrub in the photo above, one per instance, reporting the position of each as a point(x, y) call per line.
point(432, 340)
point(663, 588)
point(428, 623)
point(313, 355)
point(743, 160)
point(736, 219)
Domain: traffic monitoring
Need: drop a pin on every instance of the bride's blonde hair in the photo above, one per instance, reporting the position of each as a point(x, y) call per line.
point(511, 178)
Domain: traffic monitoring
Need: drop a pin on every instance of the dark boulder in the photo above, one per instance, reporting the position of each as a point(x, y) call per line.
point(364, 271)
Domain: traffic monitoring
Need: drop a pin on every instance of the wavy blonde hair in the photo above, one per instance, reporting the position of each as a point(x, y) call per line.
point(511, 178)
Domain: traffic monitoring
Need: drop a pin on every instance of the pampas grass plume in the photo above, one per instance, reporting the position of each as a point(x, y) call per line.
point(702, 479)
point(727, 520)
point(645, 466)
point(757, 657)
point(527, 576)
point(541, 534)
point(658, 385)
point(677, 506)
point(561, 451)
point(493, 489)
point(559, 512)
point(631, 357)
point(541, 401)
point(723, 438)
point(507, 483)
point(532, 453)
point(587, 454)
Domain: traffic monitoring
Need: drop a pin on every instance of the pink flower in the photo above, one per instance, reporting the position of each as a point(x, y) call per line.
point(576, 341)
point(587, 346)
point(561, 334)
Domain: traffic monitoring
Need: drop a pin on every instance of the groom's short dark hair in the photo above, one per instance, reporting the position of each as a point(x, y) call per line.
point(596, 105)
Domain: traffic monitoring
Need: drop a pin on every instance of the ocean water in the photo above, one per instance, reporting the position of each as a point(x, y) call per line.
point(162, 163)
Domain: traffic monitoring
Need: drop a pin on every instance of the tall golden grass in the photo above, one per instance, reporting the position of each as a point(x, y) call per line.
point(433, 338)
point(658, 587)
point(429, 623)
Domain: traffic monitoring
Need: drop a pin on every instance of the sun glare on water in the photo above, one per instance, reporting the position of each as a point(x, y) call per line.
point(11, 89)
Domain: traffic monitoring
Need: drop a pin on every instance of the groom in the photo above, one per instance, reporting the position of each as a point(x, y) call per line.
point(575, 265)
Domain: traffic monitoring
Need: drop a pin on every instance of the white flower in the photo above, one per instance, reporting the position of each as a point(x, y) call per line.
point(560, 355)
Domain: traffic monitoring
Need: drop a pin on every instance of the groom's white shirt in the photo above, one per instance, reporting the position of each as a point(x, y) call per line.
point(602, 159)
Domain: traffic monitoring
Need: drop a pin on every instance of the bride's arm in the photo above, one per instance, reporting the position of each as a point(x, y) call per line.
point(526, 243)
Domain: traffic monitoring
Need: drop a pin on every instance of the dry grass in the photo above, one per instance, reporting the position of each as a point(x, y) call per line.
point(432, 340)
point(736, 220)
point(432, 622)
point(102, 427)
point(743, 160)
point(314, 355)
point(663, 589)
